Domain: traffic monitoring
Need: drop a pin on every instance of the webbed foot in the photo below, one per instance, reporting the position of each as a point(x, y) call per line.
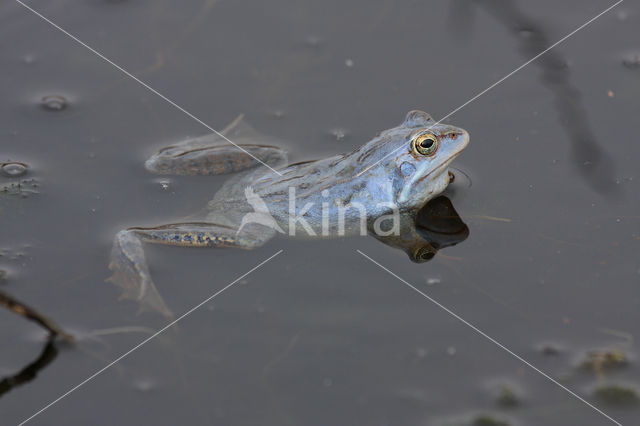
point(131, 273)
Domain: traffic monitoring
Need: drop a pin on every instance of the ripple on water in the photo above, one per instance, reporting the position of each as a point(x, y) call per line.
point(13, 169)
point(54, 102)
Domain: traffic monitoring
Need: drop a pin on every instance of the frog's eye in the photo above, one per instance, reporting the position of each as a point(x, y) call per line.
point(425, 143)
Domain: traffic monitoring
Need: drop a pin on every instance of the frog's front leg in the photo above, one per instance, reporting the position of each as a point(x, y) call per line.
point(129, 264)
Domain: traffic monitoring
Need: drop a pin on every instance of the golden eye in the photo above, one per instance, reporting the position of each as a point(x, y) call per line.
point(425, 143)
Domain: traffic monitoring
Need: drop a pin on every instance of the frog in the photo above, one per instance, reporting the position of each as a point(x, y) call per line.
point(395, 173)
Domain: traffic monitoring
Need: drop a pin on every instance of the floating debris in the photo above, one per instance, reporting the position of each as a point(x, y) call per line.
point(13, 169)
point(54, 102)
point(23, 188)
point(599, 361)
point(165, 184)
point(617, 394)
point(550, 349)
point(507, 397)
point(339, 133)
point(349, 63)
point(631, 60)
point(488, 420)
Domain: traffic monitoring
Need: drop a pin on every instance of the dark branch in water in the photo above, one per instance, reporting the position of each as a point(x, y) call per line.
point(33, 315)
point(589, 157)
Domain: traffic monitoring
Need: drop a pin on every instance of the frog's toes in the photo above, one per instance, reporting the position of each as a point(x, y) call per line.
point(131, 274)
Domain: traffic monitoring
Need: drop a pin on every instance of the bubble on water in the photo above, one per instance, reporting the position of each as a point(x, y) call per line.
point(54, 102)
point(14, 169)
point(631, 60)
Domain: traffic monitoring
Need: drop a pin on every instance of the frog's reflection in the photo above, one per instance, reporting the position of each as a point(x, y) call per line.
point(423, 233)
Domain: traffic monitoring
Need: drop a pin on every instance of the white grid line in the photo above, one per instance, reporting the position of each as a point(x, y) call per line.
point(503, 78)
point(146, 86)
point(491, 339)
point(172, 323)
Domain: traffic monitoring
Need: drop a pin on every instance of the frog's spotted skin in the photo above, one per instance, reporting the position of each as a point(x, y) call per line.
point(386, 171)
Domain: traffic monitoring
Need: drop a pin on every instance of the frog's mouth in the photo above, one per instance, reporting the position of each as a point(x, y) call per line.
point(439, 169)
point(433, 174)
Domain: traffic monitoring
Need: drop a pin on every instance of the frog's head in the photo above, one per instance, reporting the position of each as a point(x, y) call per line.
point(413, 158)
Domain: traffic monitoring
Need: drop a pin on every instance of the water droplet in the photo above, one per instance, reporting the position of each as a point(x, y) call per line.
point(54, 102)
point(14, 169)
point(631, 60)
point(349, 63)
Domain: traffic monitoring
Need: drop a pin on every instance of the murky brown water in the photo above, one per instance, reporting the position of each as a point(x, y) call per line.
point(320, 335)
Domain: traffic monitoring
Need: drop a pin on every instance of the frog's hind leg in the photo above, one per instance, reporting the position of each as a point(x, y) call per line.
point(129, 264)
point(213, 154)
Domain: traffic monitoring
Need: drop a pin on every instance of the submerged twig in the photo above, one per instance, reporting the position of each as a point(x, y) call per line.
point(33, 315)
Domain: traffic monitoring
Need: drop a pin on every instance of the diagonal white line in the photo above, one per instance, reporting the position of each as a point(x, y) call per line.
point(172, 323)
point(146, 86)
point(531, 60)
point(503, 78)
point(485, 335)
